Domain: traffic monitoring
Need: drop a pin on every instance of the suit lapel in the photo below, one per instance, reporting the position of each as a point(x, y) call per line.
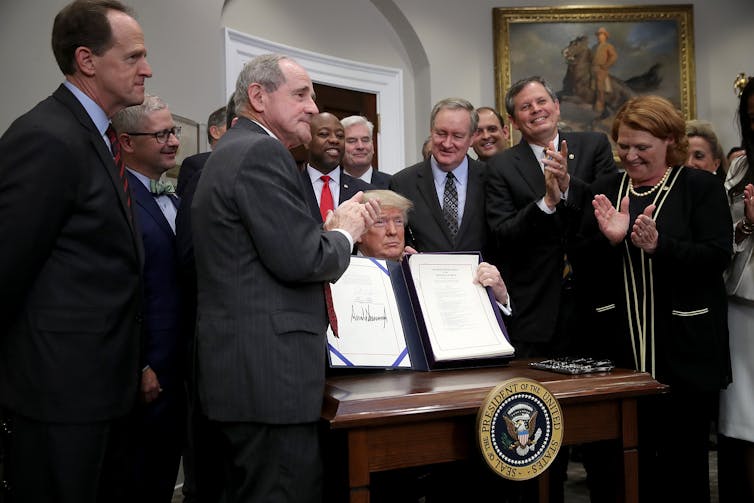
point(311, 197)
point(528, 166)
point(105, 155)
point(425, 184)
point(474, 192)
point(146, 201)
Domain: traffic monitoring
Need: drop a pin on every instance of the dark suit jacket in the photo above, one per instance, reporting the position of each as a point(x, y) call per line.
point(189, 167)
point(261, 264)
point(380, 180)
point(70, 268)
point(164, 347)
point(349, 186)
point(427, 229)
point(532, 243)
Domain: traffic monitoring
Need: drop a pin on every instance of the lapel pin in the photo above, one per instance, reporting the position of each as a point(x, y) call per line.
point(571, 156)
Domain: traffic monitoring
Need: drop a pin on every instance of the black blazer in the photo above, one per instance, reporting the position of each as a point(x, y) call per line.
point(426, 225)
point(71, 270)
point(531, 242)
point(189, 167)
point(349, 186)
point(380, 180)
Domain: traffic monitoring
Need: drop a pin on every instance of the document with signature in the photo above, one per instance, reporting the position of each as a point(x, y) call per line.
point(460, 318)
point(369, 327)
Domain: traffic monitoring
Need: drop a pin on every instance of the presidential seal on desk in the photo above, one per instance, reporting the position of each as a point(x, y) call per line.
point(519, 428)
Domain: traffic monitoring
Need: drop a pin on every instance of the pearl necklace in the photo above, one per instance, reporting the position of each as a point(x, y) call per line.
point(653, 189)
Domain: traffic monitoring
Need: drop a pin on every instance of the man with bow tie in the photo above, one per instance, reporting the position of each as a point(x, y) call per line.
point(149, 141)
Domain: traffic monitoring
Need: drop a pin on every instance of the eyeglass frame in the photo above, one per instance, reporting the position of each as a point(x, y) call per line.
point(175, 131)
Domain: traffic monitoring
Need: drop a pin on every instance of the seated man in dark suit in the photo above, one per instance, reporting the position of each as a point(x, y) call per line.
point(216, 127)
point(149, 142)
point(329, 185)
point(357, 160)
point(385, 239)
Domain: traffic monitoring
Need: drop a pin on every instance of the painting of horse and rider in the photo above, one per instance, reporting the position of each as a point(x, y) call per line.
point(595, 62)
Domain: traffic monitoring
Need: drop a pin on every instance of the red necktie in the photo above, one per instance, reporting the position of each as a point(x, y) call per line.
point(331, 317)
point(325, 204)
point(325, 200)
point(115, 148)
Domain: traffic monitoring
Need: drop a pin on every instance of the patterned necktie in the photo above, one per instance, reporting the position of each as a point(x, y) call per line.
point(325, 200)
point(450, 205)
point(160, 188)
point(115, 148)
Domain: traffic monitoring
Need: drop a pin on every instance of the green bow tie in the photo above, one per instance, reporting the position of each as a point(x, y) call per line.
point(160, 188)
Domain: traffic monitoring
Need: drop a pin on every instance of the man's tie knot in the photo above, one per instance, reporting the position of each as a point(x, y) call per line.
point(160, 187)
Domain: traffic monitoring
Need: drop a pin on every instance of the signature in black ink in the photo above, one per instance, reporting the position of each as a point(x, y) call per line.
point(364, 313)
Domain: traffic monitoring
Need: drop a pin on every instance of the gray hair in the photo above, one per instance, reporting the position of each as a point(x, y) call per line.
point(263, 70)
point(353, 120)
point(519, 86)
point(130, 118)
point(455, 104)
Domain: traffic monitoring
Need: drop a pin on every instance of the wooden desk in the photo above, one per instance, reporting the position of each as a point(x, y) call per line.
point(400, 419)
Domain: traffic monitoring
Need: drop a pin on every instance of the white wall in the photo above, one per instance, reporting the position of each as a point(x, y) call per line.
point(184, 38)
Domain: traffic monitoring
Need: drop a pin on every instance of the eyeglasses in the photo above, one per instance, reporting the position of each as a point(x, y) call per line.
point(162, 136)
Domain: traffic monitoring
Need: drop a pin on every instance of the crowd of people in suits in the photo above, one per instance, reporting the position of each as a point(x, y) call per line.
point(140, 326)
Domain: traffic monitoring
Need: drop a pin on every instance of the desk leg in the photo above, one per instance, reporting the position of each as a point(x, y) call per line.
point(630, 451)
point(358, 466)
point(544, 486)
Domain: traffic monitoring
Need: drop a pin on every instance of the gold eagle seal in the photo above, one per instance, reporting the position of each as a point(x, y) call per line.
point(519, 429)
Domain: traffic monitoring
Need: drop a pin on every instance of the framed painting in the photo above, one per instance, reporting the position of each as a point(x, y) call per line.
point(189, 143)
point(651, 51)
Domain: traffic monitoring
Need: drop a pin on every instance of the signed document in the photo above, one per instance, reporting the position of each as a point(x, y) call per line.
point(369, 327)
point(459, 314)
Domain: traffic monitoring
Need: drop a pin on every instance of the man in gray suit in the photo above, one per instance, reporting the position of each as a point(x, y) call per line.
point(261, 266)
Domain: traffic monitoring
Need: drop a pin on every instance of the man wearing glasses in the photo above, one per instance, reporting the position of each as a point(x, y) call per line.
point(149, 141)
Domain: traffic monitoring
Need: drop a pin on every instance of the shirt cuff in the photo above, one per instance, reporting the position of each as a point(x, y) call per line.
point(543, 206)
point(348, 237)
point(505, 308)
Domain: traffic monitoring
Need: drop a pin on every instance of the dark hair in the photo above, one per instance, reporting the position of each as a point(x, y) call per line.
point(83, 23)
point(747, 138)
point(734, 149)
point(217, 119)
point(519, 86)
point(497, 114)
point(230, 112)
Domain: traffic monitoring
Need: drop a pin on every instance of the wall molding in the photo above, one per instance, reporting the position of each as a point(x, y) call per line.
point(386, 83)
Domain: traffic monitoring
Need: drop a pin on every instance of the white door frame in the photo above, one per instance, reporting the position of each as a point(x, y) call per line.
point(386, 83)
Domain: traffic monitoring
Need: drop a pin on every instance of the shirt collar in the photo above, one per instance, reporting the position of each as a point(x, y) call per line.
point(460, 172)
point(367, 176)
point(98, 116)
point(314, 174)
point(539, 149)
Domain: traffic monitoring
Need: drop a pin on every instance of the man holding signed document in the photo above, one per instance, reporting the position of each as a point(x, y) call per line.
point(386, 240)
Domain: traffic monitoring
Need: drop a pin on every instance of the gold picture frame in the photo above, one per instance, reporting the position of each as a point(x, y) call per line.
point(654, 44)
